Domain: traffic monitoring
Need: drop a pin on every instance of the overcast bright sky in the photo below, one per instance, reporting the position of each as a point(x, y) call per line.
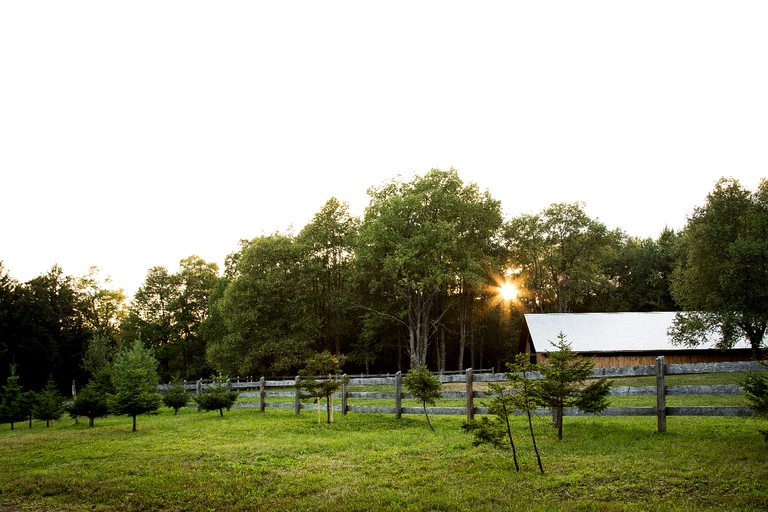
point(138, 133)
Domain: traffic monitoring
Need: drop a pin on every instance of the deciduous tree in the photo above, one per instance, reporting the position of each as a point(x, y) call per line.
point(269, 323)
point(562, 253)
point(418, 240)
point(721, 280)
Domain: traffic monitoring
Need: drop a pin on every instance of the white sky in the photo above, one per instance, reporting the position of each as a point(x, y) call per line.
point(135, 134)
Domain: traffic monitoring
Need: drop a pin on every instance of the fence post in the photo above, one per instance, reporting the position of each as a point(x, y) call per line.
point(344, 395)
point(470, 394)
point(398, 395)
point(199, 387)
point(661, 399)
point(262, 395)
point(297, 401)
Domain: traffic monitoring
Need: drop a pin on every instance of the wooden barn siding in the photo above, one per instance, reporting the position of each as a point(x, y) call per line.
point(612, 360)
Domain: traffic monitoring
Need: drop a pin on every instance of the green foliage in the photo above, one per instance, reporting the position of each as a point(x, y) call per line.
point(325, 365)
point(49, 404)
point(217, 396)
point(134, 375)
point(269, 323)
point(756, 392)
point(721, 280)
point(176, 396)
point(416, 240)
point(91, 402)
point(12, 407)
point(167, 313)
point(640, 274)
point(99, 355)
point(564, 383)
point(563, 254)
point(425, 386)
point(486, 431)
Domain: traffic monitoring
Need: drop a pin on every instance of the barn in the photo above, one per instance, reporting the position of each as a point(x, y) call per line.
point(619, 339)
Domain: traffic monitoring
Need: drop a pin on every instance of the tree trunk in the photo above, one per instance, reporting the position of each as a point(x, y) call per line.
point(558, 417)
point(134, 423)
point(427, 415)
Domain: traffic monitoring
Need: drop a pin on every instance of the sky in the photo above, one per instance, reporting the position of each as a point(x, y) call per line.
point(135, 134)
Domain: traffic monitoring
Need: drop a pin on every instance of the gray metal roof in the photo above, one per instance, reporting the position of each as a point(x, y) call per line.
point(608, 332)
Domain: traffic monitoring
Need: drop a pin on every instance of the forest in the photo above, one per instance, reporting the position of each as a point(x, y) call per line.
point(413, 282)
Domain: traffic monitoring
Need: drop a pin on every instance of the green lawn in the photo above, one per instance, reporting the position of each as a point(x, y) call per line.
point(277, 461)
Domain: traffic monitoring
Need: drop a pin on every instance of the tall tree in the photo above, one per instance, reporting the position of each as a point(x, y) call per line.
point(417, 240)
point(562, 253)
point(197, 279)
point(640, 275)
point(150, 315)
point(721, 280)
point(102, 307)
point(328, 240)
point(167, 312)
point(56, 335)
point(269, 323)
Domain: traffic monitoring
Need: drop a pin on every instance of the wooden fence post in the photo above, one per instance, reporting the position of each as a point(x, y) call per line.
point(470, 394)
point(262, 395)
point(297, 401)
point(199, 387)
point(661, 399)
point(344, 394)
point(398, 395)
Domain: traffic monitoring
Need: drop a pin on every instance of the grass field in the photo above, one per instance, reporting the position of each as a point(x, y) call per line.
point(278, 461)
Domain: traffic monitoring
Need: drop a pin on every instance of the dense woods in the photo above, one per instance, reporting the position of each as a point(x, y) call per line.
point(413, 282)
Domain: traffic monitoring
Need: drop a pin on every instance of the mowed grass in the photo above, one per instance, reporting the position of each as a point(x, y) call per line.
point(277, 461)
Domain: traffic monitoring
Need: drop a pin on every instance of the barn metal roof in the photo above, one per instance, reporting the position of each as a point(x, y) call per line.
point(608, 332)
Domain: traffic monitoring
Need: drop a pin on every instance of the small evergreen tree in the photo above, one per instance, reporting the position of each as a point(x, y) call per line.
point(92, 402)
point(756, 392)
point(134, 375)
point(50, 404)
point(524, 397)
point(12, 405)
point(327, 366)
point(487, 431)
point(564, 384)
point(218, 396)
point(424, 386)
point(493, 432)
point(27, 402)
point(176, 397)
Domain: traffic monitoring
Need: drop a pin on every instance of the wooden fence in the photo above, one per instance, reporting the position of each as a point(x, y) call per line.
point(265, 389)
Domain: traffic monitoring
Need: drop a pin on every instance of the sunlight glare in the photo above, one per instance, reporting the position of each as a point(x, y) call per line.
point(508, 291)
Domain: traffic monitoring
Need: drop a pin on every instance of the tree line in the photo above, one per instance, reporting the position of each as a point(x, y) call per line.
point(413, 282)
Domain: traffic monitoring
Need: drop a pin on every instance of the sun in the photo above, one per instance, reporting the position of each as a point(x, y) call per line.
point(508, 291)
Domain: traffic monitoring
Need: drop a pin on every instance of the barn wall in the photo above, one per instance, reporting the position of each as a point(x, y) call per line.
point(612, 360)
